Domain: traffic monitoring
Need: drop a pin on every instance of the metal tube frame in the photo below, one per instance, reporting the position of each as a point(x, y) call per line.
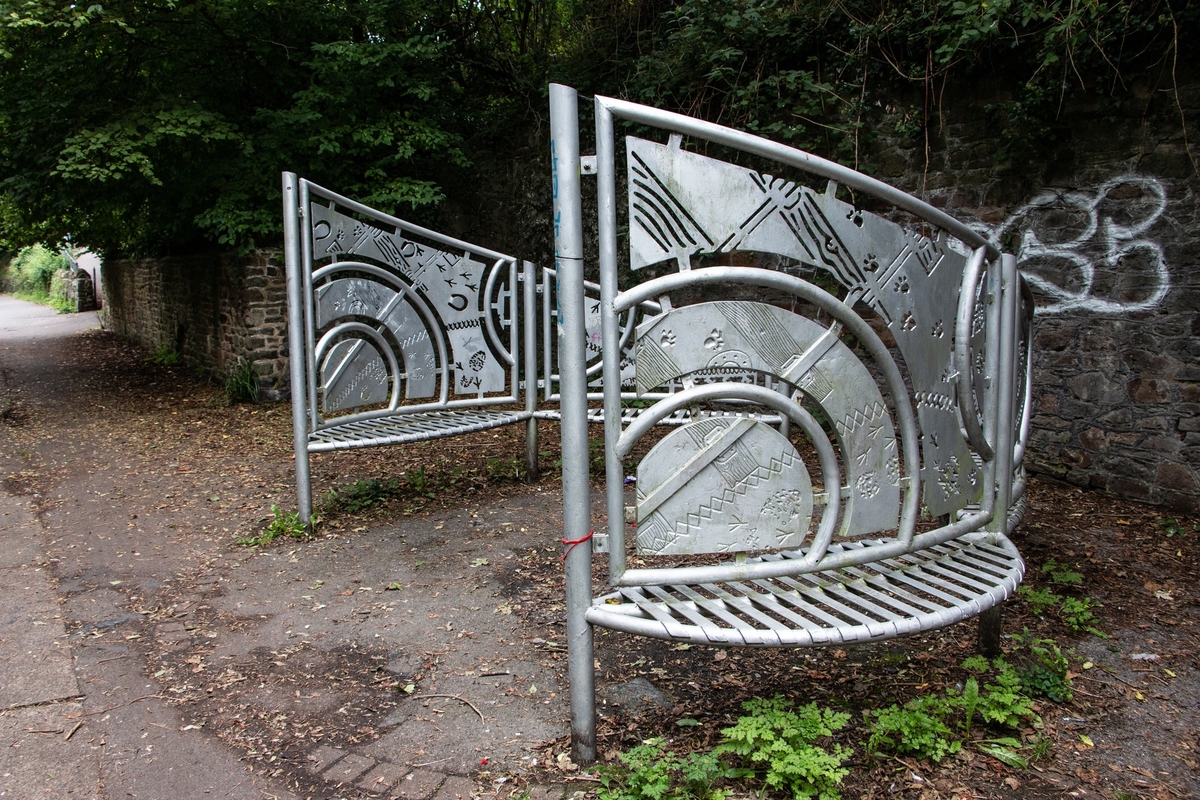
point(296, 343)
point(572, 361)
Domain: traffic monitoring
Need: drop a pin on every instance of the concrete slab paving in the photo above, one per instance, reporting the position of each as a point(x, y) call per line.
point(43, 755)
point(20, 550)
point(34, 655)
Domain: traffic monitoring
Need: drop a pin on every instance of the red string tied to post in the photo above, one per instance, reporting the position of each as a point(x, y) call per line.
point(572, 543)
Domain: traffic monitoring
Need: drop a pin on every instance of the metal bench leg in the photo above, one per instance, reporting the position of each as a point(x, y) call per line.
point(299, 388)
point(531, 450)
point(989, 631)
point(572, 363)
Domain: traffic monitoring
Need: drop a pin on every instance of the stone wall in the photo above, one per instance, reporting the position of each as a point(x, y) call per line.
point(217, 311)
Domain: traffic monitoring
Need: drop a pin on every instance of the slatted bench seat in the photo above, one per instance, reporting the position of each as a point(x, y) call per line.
point(862, 482)
point(845, 417)
point(409, 428)
point(878, 600)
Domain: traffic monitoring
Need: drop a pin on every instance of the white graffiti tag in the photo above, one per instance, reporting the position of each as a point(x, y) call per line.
point(1071, 236)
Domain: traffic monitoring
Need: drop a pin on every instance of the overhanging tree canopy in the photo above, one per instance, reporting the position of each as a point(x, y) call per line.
point(138, 126)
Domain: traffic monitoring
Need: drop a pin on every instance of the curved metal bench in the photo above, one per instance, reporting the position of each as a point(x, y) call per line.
point(892, 349)
point(398, 333)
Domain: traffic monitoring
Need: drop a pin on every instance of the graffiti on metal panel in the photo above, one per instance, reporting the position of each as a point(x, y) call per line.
point(1088, 250)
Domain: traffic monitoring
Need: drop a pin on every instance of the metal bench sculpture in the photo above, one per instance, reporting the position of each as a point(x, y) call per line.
point(397, 333)
point(881, 504)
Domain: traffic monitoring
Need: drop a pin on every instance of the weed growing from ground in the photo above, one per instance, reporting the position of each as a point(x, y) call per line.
point(924, 726)
point(357, 496)
point(651, 772)
point(1062, 574)
point(1046, 673)
point(505, 470)
point(164, 356)
point(774, 743)
point(242, 384)
point(1172, 527)
point(1075, 612)
point(284, 524)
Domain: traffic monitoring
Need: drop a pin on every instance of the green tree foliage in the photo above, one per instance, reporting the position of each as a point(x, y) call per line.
point(139, 125)
point(816, 73)
point(31, 272)
point(142, 126)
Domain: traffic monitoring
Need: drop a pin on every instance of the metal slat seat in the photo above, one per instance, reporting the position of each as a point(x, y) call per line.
point(405, 428)
point(917, 592)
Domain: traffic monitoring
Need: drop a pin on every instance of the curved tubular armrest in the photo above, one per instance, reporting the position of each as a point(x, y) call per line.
point(748, 276)
point(772, 399)
point(797, 158)
point(967, 408)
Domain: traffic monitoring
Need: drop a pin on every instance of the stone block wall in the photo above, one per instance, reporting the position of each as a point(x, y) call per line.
point(216, 310)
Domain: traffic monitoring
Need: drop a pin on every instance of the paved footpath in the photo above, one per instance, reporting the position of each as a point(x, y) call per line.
point(73, 724)
point(121, 610)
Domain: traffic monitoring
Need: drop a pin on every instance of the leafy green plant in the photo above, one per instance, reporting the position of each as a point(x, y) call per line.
point(284, 524)
point(1040, 599)
point(969, 700)
point(1173, 527)
point(1004, 750)
point(1047, 671)
point(165, 356)
point(1077, 614)
point(652, 772)
point(419, 482)
point(917, 727)
point(776, 740)
point(29, 275)
point(1061, 574)
point(242, 384)
point(502, 470)
point(1003, 702)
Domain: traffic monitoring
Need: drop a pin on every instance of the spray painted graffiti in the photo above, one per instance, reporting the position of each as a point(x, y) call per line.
point(1073, 240)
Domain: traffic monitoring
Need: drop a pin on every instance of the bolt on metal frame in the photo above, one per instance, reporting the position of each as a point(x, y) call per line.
point(955, 308)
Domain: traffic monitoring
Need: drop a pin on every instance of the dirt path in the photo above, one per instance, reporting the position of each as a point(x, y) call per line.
point(413, 649)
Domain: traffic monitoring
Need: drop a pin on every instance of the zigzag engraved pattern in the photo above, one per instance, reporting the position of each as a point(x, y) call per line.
point(465, 323)
point(934, 400)
point(853, 420)
point(729, 495)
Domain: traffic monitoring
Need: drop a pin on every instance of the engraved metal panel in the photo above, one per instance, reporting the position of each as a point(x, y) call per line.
point(682, 204)
point(366, 298)
point(453, 284)
point(722, 485)
point(740, 336)
point(353, 374)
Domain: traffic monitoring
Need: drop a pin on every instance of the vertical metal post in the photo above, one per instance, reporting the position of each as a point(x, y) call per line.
point(1010, 297)
point(529, 320)
point(572, 369)
point(610, 331)
point(296, 340)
